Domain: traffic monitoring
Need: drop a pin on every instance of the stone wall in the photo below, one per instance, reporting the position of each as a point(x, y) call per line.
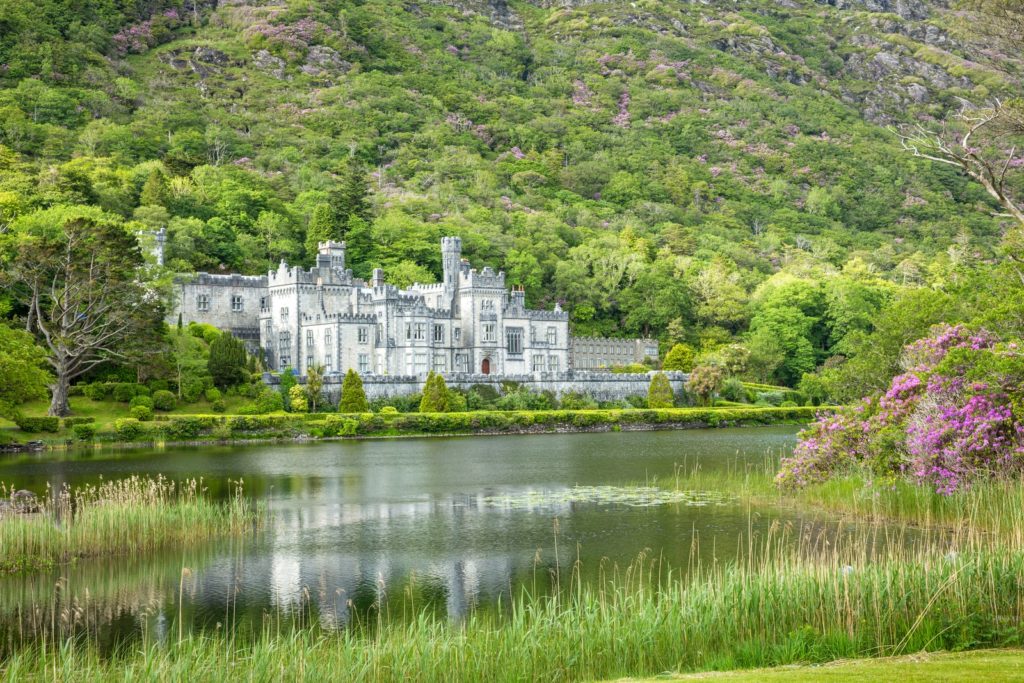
point(602, 386)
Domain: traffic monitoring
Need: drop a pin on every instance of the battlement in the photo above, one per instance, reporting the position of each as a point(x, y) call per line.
point(225, 280)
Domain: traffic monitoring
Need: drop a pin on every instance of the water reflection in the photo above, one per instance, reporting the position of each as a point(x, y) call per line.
point(385, 529)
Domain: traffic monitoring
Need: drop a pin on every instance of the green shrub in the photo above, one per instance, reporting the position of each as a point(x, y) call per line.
point(180, 428)
point(126, 391)
point(99, 391)
point(733, 390)
point(388, 411)
point(141, 413)
point(78, 420)
point(336, 425)
point(164, 400)
point(158, 385)
point(213, 394)
point(218, 406)
point(269, 401)
point(128, 429)
point(144, 401)
point(84, 431)
point(34, 425)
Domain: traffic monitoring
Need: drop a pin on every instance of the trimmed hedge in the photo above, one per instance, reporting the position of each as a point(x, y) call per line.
point(78, 420)
point(189, 427)
point(34, 425)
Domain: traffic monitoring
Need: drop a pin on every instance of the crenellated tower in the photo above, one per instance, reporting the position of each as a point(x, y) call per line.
point(451, 258)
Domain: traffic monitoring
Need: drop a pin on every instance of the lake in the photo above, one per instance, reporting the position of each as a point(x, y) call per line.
point(361, 530)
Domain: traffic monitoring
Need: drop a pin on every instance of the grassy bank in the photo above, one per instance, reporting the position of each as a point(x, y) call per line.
point(170, 428)
point(791, 600)
point(129, 516)
point(947, 667)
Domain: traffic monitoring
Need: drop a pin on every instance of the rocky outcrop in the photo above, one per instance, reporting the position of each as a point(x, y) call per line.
point(324, 61)
point(264, 61)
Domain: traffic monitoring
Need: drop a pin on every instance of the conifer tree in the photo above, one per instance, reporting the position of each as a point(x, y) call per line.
point(227, 361)
point(660, 394)
point(154, 191)
point(435, 395)
point(353, 397)
point(680, 357)
point(287, 382)
point(322, 227)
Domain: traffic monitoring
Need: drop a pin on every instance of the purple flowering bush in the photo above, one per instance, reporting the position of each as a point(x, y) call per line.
point(950, 419)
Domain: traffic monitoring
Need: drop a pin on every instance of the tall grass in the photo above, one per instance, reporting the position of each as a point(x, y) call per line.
point(995, 505)
point(792, 597)
point(133, 515)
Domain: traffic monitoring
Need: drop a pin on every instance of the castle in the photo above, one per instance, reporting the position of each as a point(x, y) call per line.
point(469, 323)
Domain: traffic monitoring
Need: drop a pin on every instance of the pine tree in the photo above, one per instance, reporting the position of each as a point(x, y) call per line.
point(359, 245)
point(435, 395)
point(154, 192)
point(351, 196)
point(227, 361)
point(322, 227)
point(660, 394)
point(353, 398)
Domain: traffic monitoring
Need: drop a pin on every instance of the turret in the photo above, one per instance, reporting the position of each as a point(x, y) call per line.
point(331, 254)
point(451, 257)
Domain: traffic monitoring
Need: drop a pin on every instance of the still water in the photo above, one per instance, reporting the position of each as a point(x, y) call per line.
point(360, 529)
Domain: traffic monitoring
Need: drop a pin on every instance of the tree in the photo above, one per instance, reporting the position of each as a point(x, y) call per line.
point(705, 381)
point(154, 191)
point(314, 386)
point(227, 361)
point(297, 400)
point(680, 357)
point(322, 227)
point(77, 269)
point(660, 394)
point(22, 367)
point(287, 382)
point(435, 395)
point(353, 398)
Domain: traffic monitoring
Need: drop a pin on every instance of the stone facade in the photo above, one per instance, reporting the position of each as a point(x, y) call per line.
point(596, 353)
point(468, 323)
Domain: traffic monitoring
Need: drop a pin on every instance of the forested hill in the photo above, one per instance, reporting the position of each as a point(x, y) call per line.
point(701, 172)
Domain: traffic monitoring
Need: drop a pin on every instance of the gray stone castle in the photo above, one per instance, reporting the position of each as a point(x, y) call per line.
point(467, 324)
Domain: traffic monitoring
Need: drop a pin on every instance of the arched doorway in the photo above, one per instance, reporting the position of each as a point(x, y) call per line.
point(485, 367)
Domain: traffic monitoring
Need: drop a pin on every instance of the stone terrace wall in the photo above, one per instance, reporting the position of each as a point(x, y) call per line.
point(602, 386)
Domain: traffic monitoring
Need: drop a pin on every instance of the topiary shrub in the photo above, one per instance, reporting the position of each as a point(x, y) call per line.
point(84, 431)
point(213, 394)
point(125, 391)
point(164, 400)
point(141, 413)
point(37, 424)
point(99, 391)
point(128, 429)
point(144, 401)
point(388, 411)
point(218, 406)
point(78, 420)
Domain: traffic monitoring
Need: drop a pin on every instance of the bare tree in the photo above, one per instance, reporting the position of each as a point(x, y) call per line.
point(79, 279)
point(980, 141)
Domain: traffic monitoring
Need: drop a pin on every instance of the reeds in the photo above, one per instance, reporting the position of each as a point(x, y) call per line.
point(794, 596)
point(133, 515)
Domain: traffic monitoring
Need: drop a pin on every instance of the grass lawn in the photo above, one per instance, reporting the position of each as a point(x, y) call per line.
point(977, 666)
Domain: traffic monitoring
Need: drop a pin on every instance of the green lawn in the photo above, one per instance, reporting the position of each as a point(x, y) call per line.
point(978, 666)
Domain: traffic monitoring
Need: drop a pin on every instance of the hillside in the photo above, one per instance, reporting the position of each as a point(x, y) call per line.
point(697, 172)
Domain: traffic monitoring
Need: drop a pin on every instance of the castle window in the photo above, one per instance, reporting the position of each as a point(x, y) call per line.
point(439, 334)
point(408, 331)
point(538, 363)
point(237, 304)
point(380, 333)
point(285, 349)
point(309, 339)
point(457, 334)
point(552, 336)
point(489, 333)
point(552, 363)
point(327, 339)
point(327, 363)
point(284, 314)
point(309, 362)
point(461, 362)
point(421, 332)
point(440, 364)
point(364, 363)
point(263, 303)
point(203, 302)
point(364, 335)
point(514, 340)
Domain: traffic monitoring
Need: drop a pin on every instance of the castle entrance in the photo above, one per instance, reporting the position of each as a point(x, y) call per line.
point(485, 367)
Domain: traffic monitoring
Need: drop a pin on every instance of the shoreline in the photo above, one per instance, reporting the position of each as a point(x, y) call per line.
point(751, 418)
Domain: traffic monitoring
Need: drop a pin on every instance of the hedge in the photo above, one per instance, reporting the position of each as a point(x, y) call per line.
point(37, 424)
point(188, 427)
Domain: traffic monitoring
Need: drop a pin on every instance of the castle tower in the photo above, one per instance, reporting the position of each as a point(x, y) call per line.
point(451, 256)
point(335, 251)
